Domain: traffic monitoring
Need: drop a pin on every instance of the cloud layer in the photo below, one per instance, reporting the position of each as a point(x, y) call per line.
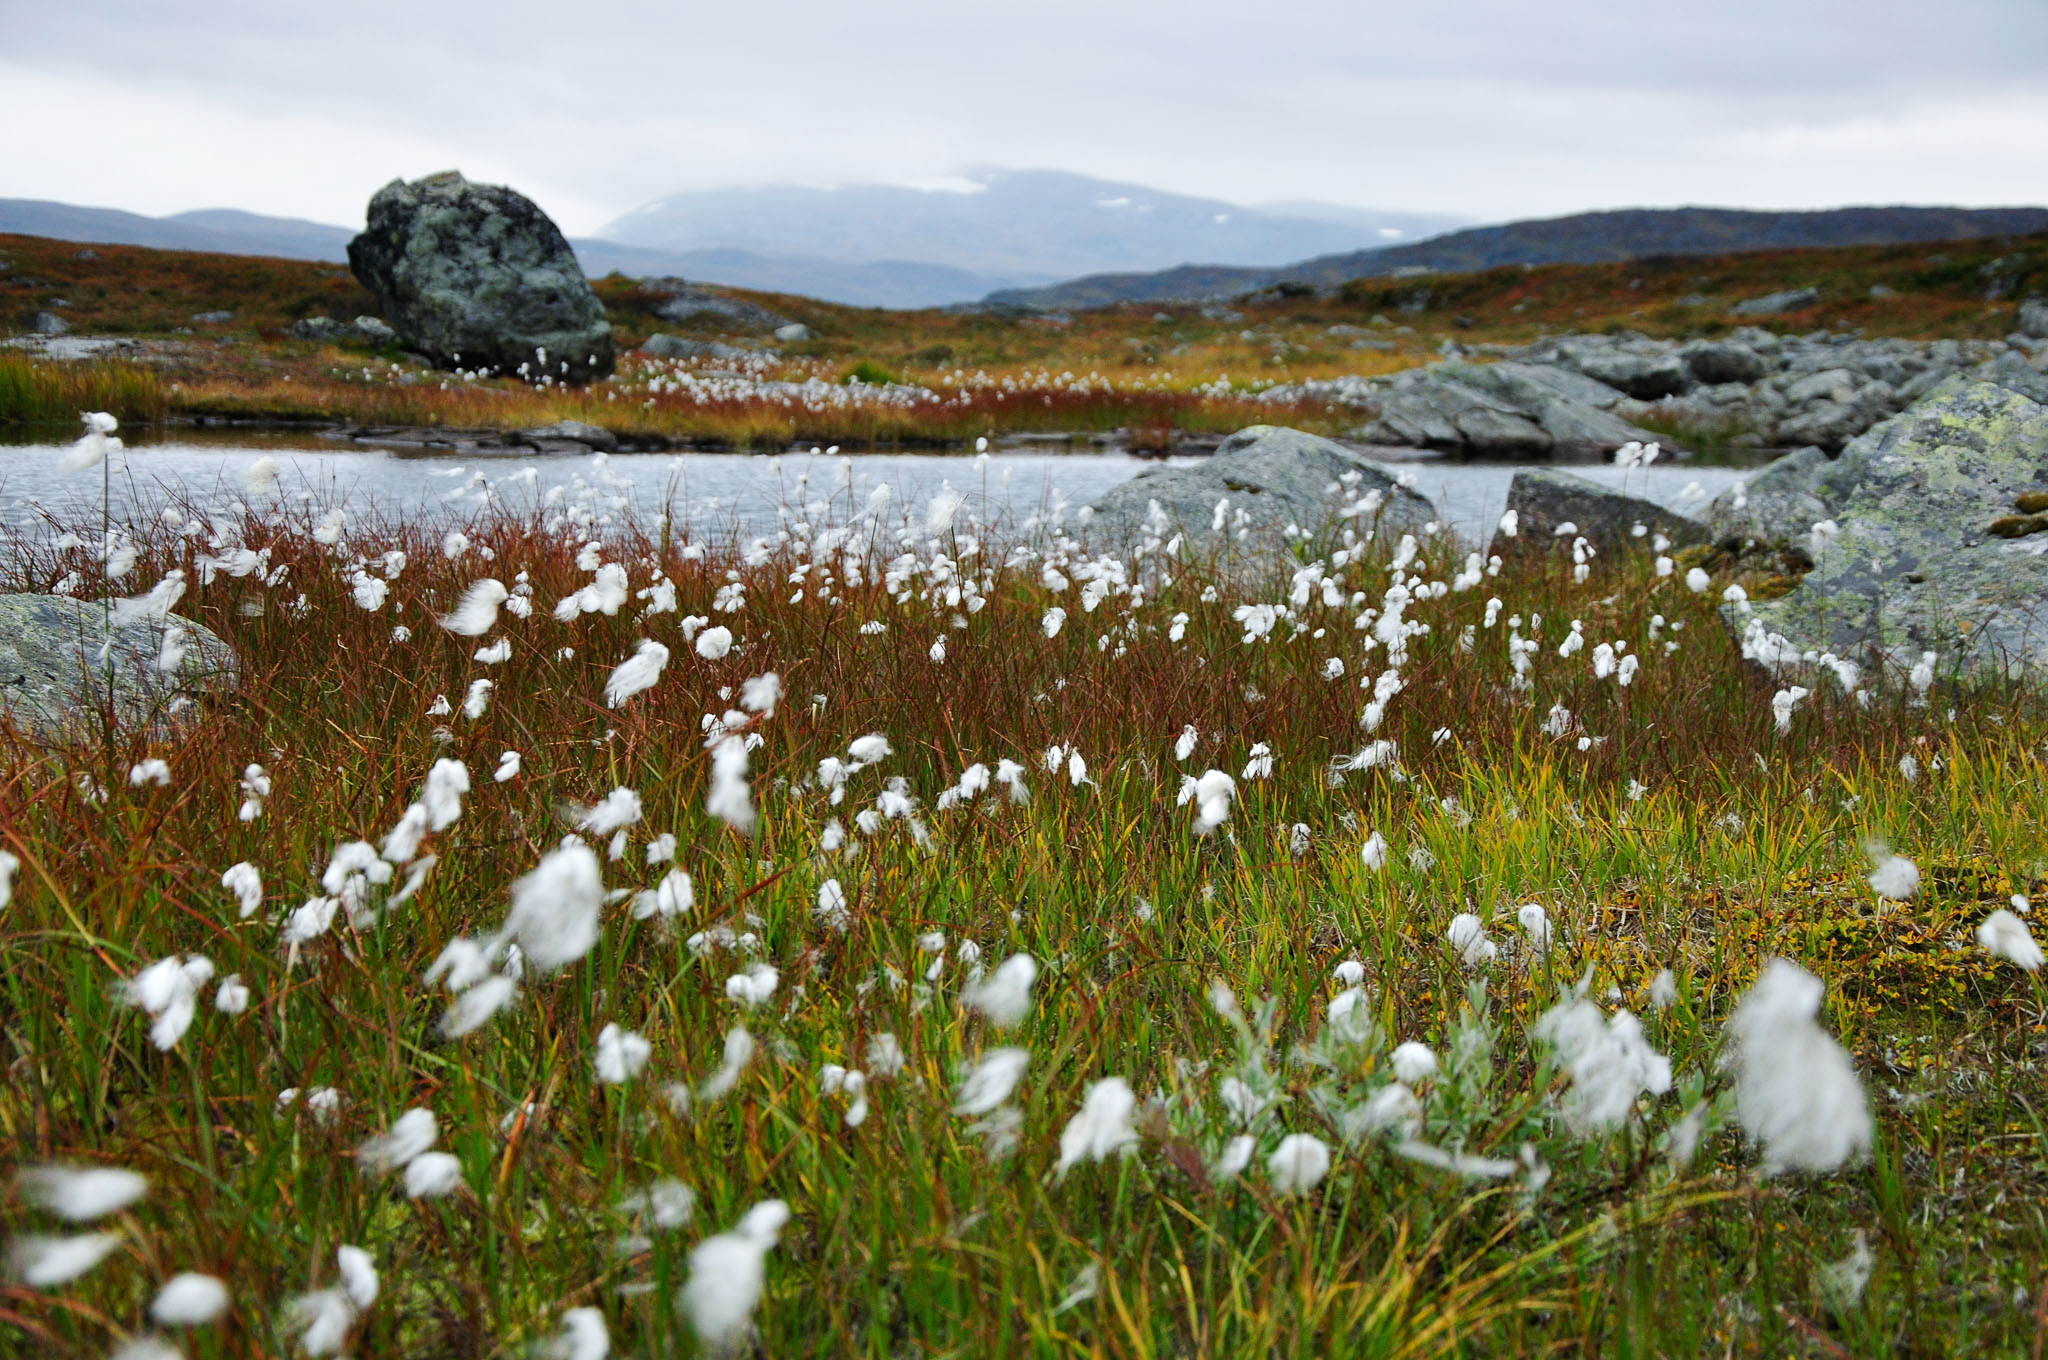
point(1487, 108)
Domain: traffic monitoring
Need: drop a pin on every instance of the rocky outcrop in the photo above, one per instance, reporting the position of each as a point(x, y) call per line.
point(1921, 560)
point(1504, 410)
point(1260, 482)
point(476, 276)
point(1756, 388)
point(2033, 318)
point(1554, 508)
point(64, 667)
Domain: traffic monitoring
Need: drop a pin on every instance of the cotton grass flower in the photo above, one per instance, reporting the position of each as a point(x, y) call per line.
point(1005, 995)
point(410, 1135)
point(1796, 1093)
point(755, 987)
point(2006, 936)
point(713, 643)
point(1467, 935)
point(245, 881)
point(80, 1194)
point(1103, 1126)
point(637, 673)
point(168, 990)
point(10, 863)
point(189, 1300)
point(508, 767)
point(44, 1262)
point(477, 614)
point(729, 798)
point(621, 1055)
point(990, 1081)
point(583, 1337)
point(1535, 923)
point(617, 810)
point(1373, 853)
point(727, 1273)
point(1608, 1060)
point(554, 915)
point(231, 995)
point(1298, 1164)
point(1413, 1063)
point(432, 1175)
point(1893, 877)
point(1211, 794)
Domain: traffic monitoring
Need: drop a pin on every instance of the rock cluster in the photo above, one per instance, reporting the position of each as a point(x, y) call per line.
point(476, 276)
point(1759, 388)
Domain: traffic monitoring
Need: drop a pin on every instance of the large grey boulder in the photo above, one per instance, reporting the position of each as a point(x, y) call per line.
point(1514, 410)
point(2011, 370)
point(1922, 561)
point(65, 665)
point(1777, 506)
point(1266, 478)
point(477, 276)
point(1553, 507)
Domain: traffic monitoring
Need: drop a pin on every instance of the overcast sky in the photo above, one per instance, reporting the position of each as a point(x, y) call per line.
point(1491, 108)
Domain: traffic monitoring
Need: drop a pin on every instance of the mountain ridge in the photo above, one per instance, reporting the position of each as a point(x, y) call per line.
point(1578, 238)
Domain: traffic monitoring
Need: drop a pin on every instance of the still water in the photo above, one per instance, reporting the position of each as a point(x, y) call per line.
point(710, 494)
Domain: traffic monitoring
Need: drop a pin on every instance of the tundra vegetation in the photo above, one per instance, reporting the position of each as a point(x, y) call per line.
point(867, 376)
point(908, 934)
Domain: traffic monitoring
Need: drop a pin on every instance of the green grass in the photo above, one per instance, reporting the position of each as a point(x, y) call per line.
point(32, 392)
point(906, 1236)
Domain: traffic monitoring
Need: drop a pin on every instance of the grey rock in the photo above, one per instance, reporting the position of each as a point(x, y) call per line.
point(2034, 318)
point(1778, 505)
point(1832, 384)
point(321, 328)
point(1913, 568)
point(1646, 376)
point(1725, 361)
point(795, 333)
point(475, 275)
point(549, 438)
point(2010, 370)
point(373, 331)
point(1505, 409)
point(220, 318)
point(665, 346)
point(1272, 475)
point(682, 302)
point(1544, 500)
point(1833, 423)
point(64, 669)
point(49, 323)
point(1776, 304)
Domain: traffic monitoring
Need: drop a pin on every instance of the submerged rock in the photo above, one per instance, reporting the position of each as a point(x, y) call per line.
point(64, 667)
point(1553, 507)
point(1266, 478)
point(477, 276)
point(1915, 565)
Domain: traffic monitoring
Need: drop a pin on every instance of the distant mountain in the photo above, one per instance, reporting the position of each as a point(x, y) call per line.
point(1021, 224)
point(870, 246)
point(859, 283)
point(1584, 238)
point(220, 230)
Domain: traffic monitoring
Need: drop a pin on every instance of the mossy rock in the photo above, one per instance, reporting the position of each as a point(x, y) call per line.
point(68, 665)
